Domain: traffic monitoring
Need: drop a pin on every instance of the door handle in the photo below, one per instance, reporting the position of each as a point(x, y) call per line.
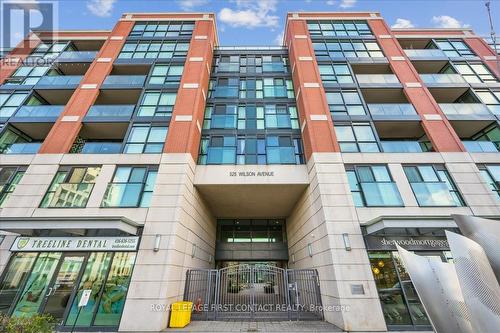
point(50, 291)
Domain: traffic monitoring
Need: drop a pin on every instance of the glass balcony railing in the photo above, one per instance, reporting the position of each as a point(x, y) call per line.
point(275, 91)
point(225, 92)
point(122, 195)
point(124, 80)
point(223, 121)
point(381, 194)
point(480, 146)
point(442, 78)
point(233, 67)
point(221, 155)
point(464, 109)
point(273, 67)
point(111, 111)
point(101, 148)
point(432, 194)
point(280, 155)
point(392, 109)
point(425, 53)
point(74, 195)
point(377, 78)
point(77, 56)
point(39, 111)
point(21, 148)
point(60, 80)
point(401, 147)
point(278, 121)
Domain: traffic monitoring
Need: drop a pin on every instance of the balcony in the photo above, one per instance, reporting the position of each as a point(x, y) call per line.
point(388, 111)
point(59, 81)
point(466, 111)
point(424, 54)
point(280, 155)
point(480, 146)
point(101, 148)
point(21, 148)
point(377, 80)
point(225, 92)
point(223, 121)
point(401, 146)
point(110, 112)
point(124, 81)
point(69, 195)
point(228, 67)
point(38, 113)
point(77, 56)
point(454, 80)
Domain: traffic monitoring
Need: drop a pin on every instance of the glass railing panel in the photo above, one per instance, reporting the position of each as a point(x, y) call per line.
point(223, 121)
point(392, 109)
point(433, 194)
point(401, 147)
point(127, 80)
point(442, 78)
point(225, 92)
point(381, 194)
point(122, 195)
point(464, 109)
point(111, 111)
point(221, 155)
point(39, 111)
point(280, 155)
point(273, 67)
point(279, 91)
point(101, 148)
point(228, 67)
point(60, 80)
point(69, 195)
point(425, 53)
point(21, 148)
point(480, 146)
point(77, 55)
point(377, 78)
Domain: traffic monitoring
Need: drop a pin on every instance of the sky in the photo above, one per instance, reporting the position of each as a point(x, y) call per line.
point(261, 22)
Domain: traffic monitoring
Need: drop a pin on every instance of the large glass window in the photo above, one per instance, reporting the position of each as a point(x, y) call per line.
point(157, 104)
point(433, 186)
point(345, 48)
point(162, 29)
point(71, 187)
point(335, 73)
point(372, 185)
point(491, 99)
point(454, 48)
point(26, 75)
point(132, 186)
point(339, 28)
point(491, 175)
point(474, 72)
point(10, 101)
point(166, 74)
point(251, 64)
point(356, 137)
point(13, 279)
point(145, 138)
point(345, 102)
point(251, 231)
point(153, 50)
point(49, 50)
point(9, 178)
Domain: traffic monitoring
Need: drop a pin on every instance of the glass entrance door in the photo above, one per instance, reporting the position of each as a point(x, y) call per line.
point(63, 284)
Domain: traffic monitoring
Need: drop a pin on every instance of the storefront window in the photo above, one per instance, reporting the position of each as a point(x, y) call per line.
point(36, 286)
point(15, 275)
point(115, 290)
point(93, 279)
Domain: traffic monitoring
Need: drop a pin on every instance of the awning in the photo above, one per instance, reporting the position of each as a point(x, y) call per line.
point(71, 225)
point(386, 223)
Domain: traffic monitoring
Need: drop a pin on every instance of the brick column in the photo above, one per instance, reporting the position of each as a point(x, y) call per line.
point(485, 52)
point(13, 60)
point(317, 125)
point(68, 125)
point(435, 124)
point(184, 133)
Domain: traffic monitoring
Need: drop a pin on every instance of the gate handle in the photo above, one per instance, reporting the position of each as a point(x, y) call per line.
point(50, 291)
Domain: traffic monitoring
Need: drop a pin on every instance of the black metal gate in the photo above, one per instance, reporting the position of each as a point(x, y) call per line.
point(254, 292)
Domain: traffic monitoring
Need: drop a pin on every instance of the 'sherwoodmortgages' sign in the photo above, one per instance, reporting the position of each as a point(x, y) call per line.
point(61, 244)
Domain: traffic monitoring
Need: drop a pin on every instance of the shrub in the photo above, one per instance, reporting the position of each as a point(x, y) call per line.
point(38, 323)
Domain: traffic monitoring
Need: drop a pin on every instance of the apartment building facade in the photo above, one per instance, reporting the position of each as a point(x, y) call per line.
point(131, 157)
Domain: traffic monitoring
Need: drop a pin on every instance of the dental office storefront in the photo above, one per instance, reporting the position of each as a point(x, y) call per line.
point(49, 275)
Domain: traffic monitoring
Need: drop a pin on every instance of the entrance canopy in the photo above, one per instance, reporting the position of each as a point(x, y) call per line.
point(77, 226)
point(394, 225)
point(251, 191)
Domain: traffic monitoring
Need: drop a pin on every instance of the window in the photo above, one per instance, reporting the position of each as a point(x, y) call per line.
point(132, 186)
point(357, 137)
point(220, 116)
point(251, 64)
point(433, 186)
point(491, 99)
point(157, 104)
point(491, 174)
point(276, 87)
point(338, 28)
point(345, 48)
point(26, 75)
point(71, 187)
point(223, 88)
point(474, 72)
point(166, 74)
point(50, 50)
point(162, 29)
point(9, 102)
point(145, 138)
point(218, 150)
point(335, 73)
point(371, 185)
point(251, 231)
point(345, 102)
point(9, 178)
point(154, 50)
point(455, 48)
